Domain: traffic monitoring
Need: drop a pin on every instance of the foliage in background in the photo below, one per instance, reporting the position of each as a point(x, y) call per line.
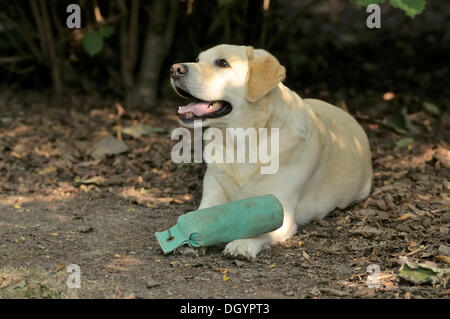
point(125, 47)
point(410, 7)
point(93, 41)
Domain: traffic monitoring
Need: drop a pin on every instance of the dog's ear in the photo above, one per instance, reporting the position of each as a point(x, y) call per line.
point(264, 73)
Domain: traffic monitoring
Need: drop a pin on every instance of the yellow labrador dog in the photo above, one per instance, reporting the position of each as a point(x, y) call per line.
point(324, 154)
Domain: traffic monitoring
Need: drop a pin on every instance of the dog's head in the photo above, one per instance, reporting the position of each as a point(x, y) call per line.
point(224, 84)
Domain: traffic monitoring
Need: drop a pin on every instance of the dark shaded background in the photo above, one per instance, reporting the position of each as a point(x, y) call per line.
point(325, 46)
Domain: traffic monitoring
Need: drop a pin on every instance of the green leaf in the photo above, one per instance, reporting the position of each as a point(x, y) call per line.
point(410, 7)
point(404, 142)
point(421, 273)
point(92, 42)
point(431, 108)
point(366, 2)
point(106, 31)
point(418, 276)
point(401, 123)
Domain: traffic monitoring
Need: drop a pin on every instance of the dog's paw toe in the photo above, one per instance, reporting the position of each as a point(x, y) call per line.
point(247, 248)
point(188, 251)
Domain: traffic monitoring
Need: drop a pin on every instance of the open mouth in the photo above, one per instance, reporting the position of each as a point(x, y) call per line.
point(199, 109)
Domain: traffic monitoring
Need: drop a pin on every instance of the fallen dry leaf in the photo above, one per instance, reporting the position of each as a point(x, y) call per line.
point(443, 156)
point(151, 283)
point(366, 231)
point(8, 279)
point(444, 292)
point(445, 259)
point(96, 180)
point(142, 130)
point(223, 270)
point(109, 145)
point(405, 216)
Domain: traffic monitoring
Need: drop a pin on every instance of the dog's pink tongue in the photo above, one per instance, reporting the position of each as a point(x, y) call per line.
point(198, 108)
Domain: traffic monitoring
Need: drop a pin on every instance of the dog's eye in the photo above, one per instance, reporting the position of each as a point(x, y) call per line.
point(222, 63)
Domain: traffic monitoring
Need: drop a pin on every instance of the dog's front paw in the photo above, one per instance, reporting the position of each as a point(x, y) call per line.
point(188, 251)
point(247, 248)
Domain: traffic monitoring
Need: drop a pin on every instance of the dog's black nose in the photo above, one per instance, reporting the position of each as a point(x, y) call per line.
point(178, 70)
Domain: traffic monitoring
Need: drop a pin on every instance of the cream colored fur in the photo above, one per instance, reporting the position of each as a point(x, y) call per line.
point(325, 159)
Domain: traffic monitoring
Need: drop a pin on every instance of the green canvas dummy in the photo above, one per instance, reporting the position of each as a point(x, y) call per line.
point(240, 219)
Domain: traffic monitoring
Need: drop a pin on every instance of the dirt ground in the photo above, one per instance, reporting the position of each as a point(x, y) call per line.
point(59, 206)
